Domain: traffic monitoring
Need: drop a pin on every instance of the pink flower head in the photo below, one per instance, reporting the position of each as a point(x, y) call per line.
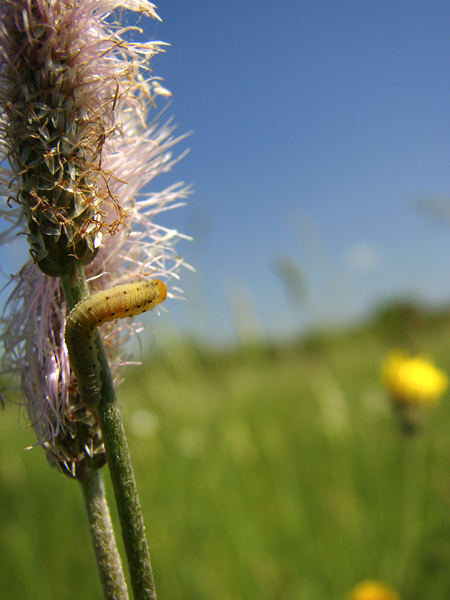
point(75, 96)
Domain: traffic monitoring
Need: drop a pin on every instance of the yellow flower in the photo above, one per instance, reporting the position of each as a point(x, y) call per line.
point(413, 380)
point(372, 590)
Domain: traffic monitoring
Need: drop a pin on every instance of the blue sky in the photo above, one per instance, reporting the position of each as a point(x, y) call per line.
point(318, 126)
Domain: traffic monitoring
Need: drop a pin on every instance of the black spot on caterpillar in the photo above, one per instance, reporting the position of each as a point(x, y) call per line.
point(114, 303)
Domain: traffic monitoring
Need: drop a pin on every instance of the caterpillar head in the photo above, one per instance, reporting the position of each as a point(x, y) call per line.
point(162, 290)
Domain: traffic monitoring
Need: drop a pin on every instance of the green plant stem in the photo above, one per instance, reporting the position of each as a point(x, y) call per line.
point(124, 485)
point(103, 539)
point(120, 467)
point(413, 500)
point(102, 535)
point(74, 287)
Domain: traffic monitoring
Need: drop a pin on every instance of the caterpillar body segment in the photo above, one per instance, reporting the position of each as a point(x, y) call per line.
point(114, 303)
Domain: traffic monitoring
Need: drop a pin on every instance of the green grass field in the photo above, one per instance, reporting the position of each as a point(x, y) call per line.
point(272, 473)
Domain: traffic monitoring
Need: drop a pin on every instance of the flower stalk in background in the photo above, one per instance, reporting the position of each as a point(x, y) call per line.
point(414, 385)
point(372, 590)
point(77, 147)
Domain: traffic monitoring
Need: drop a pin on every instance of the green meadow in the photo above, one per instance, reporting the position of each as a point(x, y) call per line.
point(270, 472)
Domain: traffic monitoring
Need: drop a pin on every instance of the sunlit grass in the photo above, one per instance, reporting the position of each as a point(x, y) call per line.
point(269, 473)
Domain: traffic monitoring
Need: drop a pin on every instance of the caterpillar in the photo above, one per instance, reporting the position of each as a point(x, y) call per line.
point(114, 303)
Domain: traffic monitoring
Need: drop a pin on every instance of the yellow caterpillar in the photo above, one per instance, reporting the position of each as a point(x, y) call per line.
point(114, 303)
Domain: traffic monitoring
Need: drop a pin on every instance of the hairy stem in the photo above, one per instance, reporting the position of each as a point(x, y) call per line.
point(124, 485)
point(120, 467)
point(102, 535)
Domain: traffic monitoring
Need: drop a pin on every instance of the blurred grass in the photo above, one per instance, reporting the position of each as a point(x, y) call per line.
point(269, 472)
